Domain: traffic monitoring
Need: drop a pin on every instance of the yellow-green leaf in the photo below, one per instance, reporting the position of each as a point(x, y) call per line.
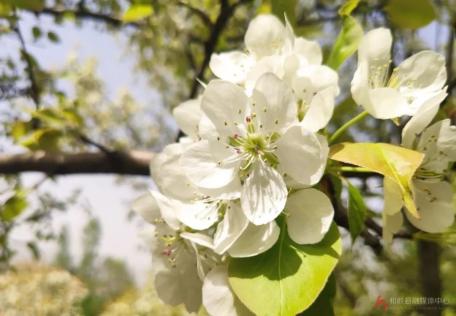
point(346, 43)
point(411, 14)
point(137, 12)
point(286, 279)
point(397, 163)
point(14, 206)
point(46, 139)
point(19, 129)
point(5, 9)
point(35, 5)
point(348, 7)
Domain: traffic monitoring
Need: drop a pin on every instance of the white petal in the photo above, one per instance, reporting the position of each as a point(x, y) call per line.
point(168, 209)
point(231, 66)
point(230, 228)
point(265, 35)
point(198, 215)
point(202, 168)
point(320, 77)
point(447, 140)
point(218, 299)
point(360, 84)
point(391, 225)
point(435, 205)
point(231, 191)
point(385, 103)
point(264, 194)
point(274, 64)
point(188, 115)
point(180, 284)
point(422, 71)
point(309, 216)
point(301, 155)
point(273, 103)
point(374, 54)
point(320, 111)
point(375, 47)
point(437, 142)
point(147, 207)
point(421, 119)
point(169, 176)
point(311, 50)
point(198, 238)
point(225, 104)
point(393, 201)
point(255, 240)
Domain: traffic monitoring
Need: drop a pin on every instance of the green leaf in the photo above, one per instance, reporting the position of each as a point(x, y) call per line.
point(397, 163)
point(53, 37)
point(19, 129)
point(46, 139)
point(346, 43)
point(72, 117)
point(324, 304)
point(280, 8)
point(34, 5)
point(411, 14)
point(36, 32)
point(286, 279)
point(357, 211)
point(14, 206)
point(347, 8)
point(50, 117)
point(137, 12)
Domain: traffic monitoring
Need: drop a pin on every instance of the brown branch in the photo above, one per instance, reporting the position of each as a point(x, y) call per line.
point(429, 254)
point(87, 15)
point(341, 218)
point(450, 53)
point(200, 13)
point(87, 140)
point(226, 12)
point(451, 85)
point(117, 162)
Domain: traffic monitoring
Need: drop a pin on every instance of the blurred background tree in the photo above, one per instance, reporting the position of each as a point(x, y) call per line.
point(64, 120)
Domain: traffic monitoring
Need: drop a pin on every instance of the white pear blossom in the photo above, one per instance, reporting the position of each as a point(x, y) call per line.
point(257, 141)
point(185, 273)
point(215, 211)
point(187, 115)
point(178, 270)
point(433, 195)
point(273, 47)
point(403, 91)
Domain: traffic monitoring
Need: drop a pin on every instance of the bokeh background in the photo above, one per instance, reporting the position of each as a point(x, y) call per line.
point(82, 76)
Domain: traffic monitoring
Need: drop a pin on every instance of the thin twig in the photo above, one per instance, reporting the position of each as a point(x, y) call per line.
point(226, 12)
point(34, 88)
point(201, 14)
point(85, 139)
point(86, 14)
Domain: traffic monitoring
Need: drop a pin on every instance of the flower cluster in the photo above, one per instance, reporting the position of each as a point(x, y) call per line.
point(40, 290)
point(256, 150)
point(252, 154)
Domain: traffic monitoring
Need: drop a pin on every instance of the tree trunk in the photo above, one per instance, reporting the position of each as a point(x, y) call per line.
point(429, 277)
